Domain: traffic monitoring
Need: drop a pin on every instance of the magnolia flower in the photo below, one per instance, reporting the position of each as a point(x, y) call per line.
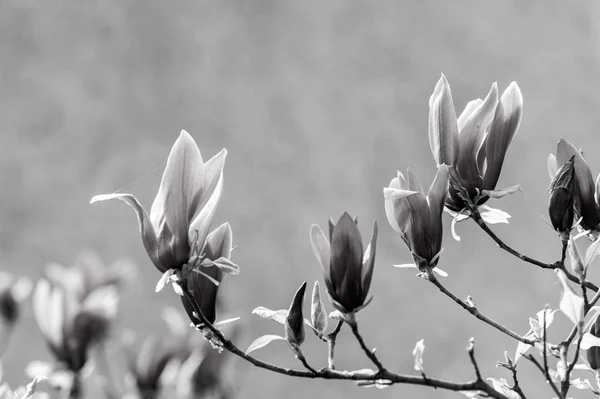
point(182, 212)
point(70, 327)
point(586, 197)
point(560, 206)
point(204, 283)
point(474, 144)
point(347, 270)
point(88, 273)
point(416, 217)
point(13, 291)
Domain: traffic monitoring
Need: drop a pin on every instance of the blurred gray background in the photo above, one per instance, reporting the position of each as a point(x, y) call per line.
point(318, 104)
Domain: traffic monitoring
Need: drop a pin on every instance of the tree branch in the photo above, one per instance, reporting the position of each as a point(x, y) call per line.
point(475, 312)
point(331, 338)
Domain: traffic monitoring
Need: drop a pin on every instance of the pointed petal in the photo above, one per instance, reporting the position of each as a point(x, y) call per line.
point(472, 135)
point(443, 126)
point(552, 166)
point(181, 182)
point(585, 202)
point(346, 262)
point(413, 182)
point(397, 206)
point(369, 261)
point(147, 231)
point(219, 242)
point(320, 246)
point(436, 199)
point(200, 226)
point(467, 112)
point(213, 170)
point(502, 130)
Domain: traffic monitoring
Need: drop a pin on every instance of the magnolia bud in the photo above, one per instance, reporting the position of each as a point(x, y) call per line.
point(9, 307)
point(318, 314)
point(560, 206)
point(294, 322)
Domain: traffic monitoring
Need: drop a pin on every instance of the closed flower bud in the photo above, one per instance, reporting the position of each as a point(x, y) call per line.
point(9, 308)
point(12, 292)
point(416, 217)
point(294, 322)
point(347, 270)
point(593, 353)
point(560, 206)
point(585, 193)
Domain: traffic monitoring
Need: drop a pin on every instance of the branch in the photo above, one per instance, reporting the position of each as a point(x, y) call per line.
point(329, 374)
point(370, 353)
point(331, 338)
point(557, 265)
point(475, 312)
point(533, 360)
point(471, 350)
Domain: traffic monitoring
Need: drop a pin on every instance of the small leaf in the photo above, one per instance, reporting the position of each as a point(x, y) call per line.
point(275, 315)
point(318, 314)
point(570, 303)
point(494, 216)
point(263, 341)
point(418, 355)
point(522, 349)
point(582, 384)
point(164, 279)
point(439, 272)
point(500, 385)
point(592, 252)
point(577, 265)
point(501, 193)
point(536, 327)
point(227, 266)
point(226, 321)
point(589, 341)
point(549, 316)
point(212, 280)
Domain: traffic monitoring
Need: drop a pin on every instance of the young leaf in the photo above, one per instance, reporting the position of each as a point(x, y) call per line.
point(275, 315)
point(589, 340)
point(263, 341)
point(318, 314)
point(164, 279)
point(522, 349)
point(592, 252)
point(502, 386)
point(418, 355)
point(570, 303)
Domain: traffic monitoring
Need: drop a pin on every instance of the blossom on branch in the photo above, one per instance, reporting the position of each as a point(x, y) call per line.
point(474, 145)
point(416, 217)
point(182, 212)
point(347, 269)
point(586, 195)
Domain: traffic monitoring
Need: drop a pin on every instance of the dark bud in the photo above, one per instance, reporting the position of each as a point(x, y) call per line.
point(9, 307)
point(560, 207)
point(294, 322)
point(593, 353)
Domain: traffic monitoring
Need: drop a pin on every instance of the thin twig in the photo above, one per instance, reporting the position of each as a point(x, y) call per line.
point(329, 374)
point(516, 387)
point(302, 359)
point(533, 360)
point(475, 312)
point(471, 350)
point(567, 382)
point(557, 265)
point(331, 339)
point(370, 353)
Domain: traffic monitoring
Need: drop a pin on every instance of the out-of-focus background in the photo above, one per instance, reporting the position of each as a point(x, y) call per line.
point(318, 104)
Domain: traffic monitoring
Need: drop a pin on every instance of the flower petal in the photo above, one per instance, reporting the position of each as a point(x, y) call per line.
point(472, 135)
point(552, 166)
point(213, 169)
point(369, 262)
point(146, 229)
point(200, 226)
point(443, 126)
point(502, 130)
point(321, 247)
point(181, 183)
point(467, 112)
point(585, 202)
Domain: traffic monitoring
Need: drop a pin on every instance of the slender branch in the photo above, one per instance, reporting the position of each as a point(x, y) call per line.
point(302, 359)
point(557, 265)
point(545, 352)
point(567, 382)
point(329, 374)
point(471, 350)
point(516, 387)
point(475, 312)
point(533, 360)
point(331, 339)
point(370, 353)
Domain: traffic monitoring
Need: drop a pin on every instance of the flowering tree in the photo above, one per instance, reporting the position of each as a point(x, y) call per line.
point(468, 151)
